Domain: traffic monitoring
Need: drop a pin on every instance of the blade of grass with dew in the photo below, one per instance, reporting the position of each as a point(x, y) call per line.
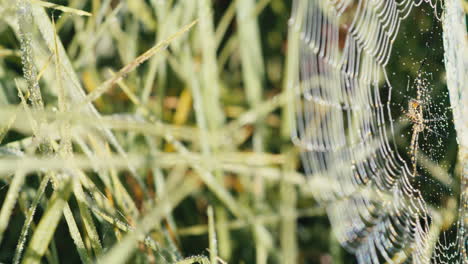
point(232, 43)
point(64, 9)
point(291, 74)
point(288, 204)
point(226, 20)
point(75, 4)
point(251, 54)
point(29, 218)
point(48, 223)
point(289, 245)
point(87, 219)
point(10, 200)
point(6, 127)
point(118, 123)
point(195, 259)
point(253, 74)
point(157, 65)
point(76, 236)
point(200, 116)
point(142, 12)
point(229, 49)
point(251, 58)
point(23, 202)
point(83, 252)
point(175, 65)
point(210, 82)
point(52, 253)
point(224, 23)
point(44, 68)
point(72, 226)
point(212, 236)
point(63, 102)
point(29, 116)
point(148, 241)
point(8, 165)
point(26, 29)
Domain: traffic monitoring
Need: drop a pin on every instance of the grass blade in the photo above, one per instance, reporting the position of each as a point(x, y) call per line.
point(47, 225)
point(10, 200)
point(64, 9)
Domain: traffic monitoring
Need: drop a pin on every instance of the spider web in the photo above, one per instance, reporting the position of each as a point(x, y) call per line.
point(344, 126)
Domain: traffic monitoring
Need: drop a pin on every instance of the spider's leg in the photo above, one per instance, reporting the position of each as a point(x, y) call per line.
point(423, 131)
point(415, 153)
point(414, 149)
point(435, 120)
point(433, 131)
point(407, 85)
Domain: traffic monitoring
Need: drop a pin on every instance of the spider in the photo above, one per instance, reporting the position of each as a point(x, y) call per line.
point(415, 114)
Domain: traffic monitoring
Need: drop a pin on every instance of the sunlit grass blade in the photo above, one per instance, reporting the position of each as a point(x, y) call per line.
point(26, 29)
point(29, 218)
point(10, 200)
point(45, 230)
point(65, 9)
point(212, 236)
